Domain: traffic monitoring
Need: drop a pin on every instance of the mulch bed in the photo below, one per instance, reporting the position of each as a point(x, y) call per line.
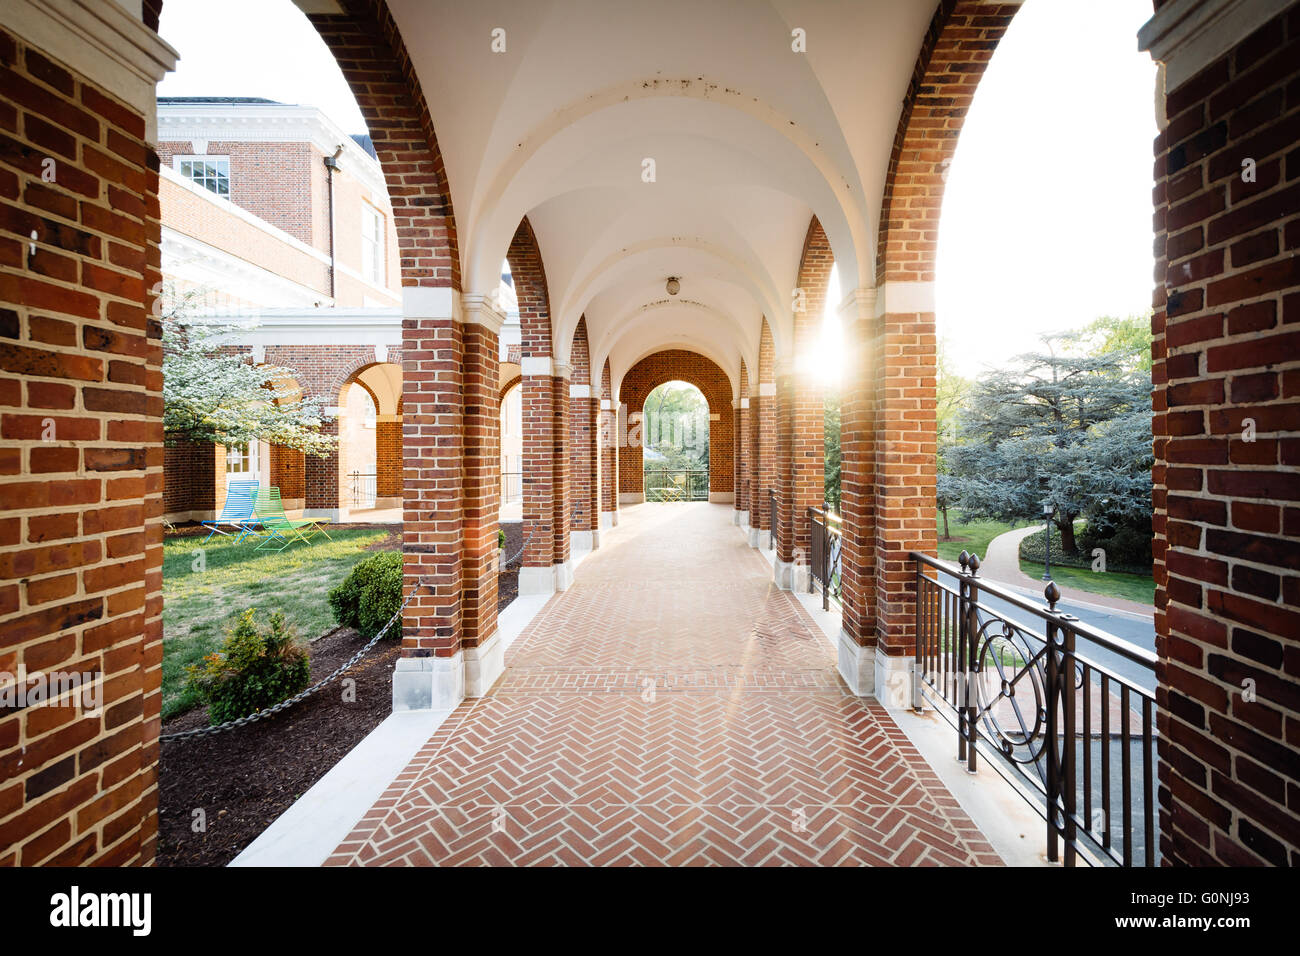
point(508, 580)
point(246, 777)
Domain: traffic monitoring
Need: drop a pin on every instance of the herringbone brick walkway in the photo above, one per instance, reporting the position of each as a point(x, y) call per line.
point(672, 707)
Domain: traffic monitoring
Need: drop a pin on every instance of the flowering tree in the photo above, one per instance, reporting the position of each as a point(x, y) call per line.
point(212, 393)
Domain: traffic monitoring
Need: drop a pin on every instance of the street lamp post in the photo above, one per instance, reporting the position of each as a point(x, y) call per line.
point(1048, 510)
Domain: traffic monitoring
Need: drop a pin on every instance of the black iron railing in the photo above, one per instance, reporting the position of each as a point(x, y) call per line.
point(677, 484)
point(772, 513)
point(1073, 736)
point(512, 487)
point(363, 489)
point(825, 546)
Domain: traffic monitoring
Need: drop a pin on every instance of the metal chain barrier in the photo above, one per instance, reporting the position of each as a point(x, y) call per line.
point(515, 557)
point(303, 695)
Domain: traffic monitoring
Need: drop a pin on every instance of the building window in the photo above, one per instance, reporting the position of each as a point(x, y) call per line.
point(372, 244)
point(210, 172)
point(241, 460)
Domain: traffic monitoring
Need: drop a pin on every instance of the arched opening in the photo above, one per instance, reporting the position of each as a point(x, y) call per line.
point(512, 450)
point(675, 443)
point(370, 443)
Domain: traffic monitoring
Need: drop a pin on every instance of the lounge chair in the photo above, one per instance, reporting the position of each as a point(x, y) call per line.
point(237, 513)
point(278, 529)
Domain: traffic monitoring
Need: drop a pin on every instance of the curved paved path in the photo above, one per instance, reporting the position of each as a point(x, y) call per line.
point(672, 707)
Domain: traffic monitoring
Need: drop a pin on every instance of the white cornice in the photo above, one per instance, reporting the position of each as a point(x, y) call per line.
point(1188, 35)
point(101, 40)
point(185, 257)
point(904, 298)
point(482, 310)
point(270, 123)
point(371, 327)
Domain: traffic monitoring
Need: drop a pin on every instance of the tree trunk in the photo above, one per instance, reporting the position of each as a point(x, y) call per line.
point(1068, 544)
point(946, 535)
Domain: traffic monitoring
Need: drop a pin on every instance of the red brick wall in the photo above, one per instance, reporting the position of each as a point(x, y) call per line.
point(800, 413)
point(1227, 522)
point(374, 61)
point(545, 453)
point(190, 478)
point(582, 438)
point(81, 506)
point(679, 365)
point(609, 451)
point(288, 472)
point(957, 48)
point(741, 442)
point(481, 482)
point(762, 419)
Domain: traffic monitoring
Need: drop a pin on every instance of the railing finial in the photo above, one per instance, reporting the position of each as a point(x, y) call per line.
point(963, 559)
point(974, 564)
point(1053, 594)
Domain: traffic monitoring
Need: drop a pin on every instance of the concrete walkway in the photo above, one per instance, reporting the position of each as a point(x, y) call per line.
point(1002, 564)
point(674, 708)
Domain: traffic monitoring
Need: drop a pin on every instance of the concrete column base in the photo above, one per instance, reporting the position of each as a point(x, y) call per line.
point(608, 519)
point(390, 502)
point(740, 518)
point(335, 515)
point(429, 683)
point(722, 497)
point(581, 541)
point(790, 575)
point(857, 665)
point(756, 536)
point(564, 575)
point(631, 498)
point(893, 679)
point(533, 580)
point(483, 665)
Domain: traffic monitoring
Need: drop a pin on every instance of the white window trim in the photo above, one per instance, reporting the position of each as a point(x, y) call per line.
point(202, 158)
point(380, 239)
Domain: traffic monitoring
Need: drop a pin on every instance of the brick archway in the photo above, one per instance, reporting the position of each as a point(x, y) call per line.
point(693, 368)
point(388, 437)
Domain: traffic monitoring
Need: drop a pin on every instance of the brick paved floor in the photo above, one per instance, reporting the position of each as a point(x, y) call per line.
point(672, 707)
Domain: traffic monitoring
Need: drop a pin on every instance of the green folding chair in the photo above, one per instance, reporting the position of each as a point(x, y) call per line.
point(278, 529)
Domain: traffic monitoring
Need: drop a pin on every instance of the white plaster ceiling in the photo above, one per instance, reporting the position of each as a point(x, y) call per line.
point(750, 139)
point(385, 380)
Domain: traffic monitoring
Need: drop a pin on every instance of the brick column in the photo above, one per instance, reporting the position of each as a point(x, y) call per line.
point(762, 408)
point(609, 454)
point(484, 655)
point(321, 478)
point(857, 502)
point(583, 435)
point(593, 475)
point(904, 361)
point(536, 576)
point(791, 566)
point(388, 461)
point(741, 454)
point(431, 672)
point(562, 501)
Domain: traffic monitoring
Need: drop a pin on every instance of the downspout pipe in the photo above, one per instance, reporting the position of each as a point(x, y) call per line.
point(331, 166)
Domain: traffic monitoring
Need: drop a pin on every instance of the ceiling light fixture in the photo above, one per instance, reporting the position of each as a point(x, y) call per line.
point(674, 285)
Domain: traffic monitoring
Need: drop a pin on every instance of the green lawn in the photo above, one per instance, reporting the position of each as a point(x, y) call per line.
point(1132, 587)
point(199, 605)
point(974, 537)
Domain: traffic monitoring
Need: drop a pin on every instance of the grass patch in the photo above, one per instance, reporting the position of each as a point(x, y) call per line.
point(1120, 584)
point(198, 606)
point(975, 535)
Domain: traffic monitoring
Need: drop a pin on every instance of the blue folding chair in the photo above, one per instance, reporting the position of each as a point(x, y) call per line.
point(241, 496)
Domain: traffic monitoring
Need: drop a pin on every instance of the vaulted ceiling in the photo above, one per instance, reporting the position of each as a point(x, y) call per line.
point(749, 140)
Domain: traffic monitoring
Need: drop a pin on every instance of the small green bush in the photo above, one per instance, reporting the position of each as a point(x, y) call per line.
point(258, 666)
point(1127, 549)
point(370, 595)
point(501, 538)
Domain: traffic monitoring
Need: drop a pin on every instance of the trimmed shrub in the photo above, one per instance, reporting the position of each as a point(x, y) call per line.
point(370, 595)
point(258, 666)
point(1127, 549)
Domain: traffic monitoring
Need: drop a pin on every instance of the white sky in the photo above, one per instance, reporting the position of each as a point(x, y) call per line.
point(1047, 212)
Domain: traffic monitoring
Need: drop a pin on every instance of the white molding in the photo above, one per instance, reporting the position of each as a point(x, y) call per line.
point(858, 304)
point(482, 310)
point(744, 403)
point(102, 41)
point(426, 302)
point(767, 389)
point(272, 123)
point(606, 405)
point(189, 258)
point(366, 327)
point(535, 365)
point(904, 298)
point(580, 391)
point(484, 663)
point(1188, 35)
point(559, 370)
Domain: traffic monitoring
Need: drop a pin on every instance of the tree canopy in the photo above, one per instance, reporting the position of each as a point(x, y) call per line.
point(1069, 425)
point(213, 393)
